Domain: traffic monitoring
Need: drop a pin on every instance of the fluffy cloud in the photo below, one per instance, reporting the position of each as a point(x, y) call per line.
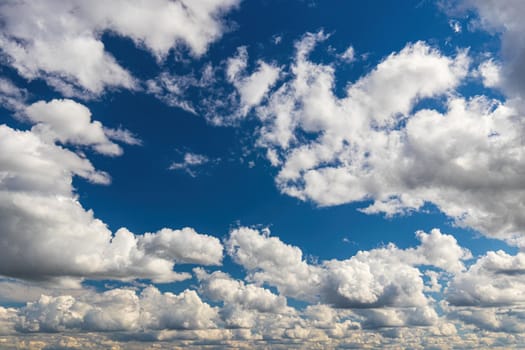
point(251, 88)
point(376, 144)
point(497, 278)
point(117, 310)
point(182, 246)
point(489, 294)
point(46, 234)
point(384, 284)
point(62, 42)
point(270, 260)
point(219, 286)
point(69, 122)
point(504, 17)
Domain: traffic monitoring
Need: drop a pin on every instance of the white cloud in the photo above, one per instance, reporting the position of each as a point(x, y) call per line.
point(19, 291)
point(69, 122)
point(122, 135)
point(117, 310)
point(47, 233)
point(504, 17)
point(490, 73)
point(61, 42)
point(348, 55)
point(11, 97)
point(375, 144)
point(251, 88)
point(174, 89)
point(496, 279)
point(186, 246)
point(191, 162)
point(219, 286)
point(270, 260)
point(382, 286)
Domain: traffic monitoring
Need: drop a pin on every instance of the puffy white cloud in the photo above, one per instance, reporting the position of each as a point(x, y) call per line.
point(251, 88)
point(503, 17)
point(46, 234)
point(497, 278)
point(384, 281)
point(495, 319)
point(20, 291)
point(69, 122)
point(61, 42)
point(270, 260)
point(219, 286)
point(490, 72)
point(490, 294)
point(376, 144)
point(186, 246)
point(8, 319)
point(117, 310)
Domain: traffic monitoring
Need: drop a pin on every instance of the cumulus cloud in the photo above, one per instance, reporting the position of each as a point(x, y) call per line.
point(45, 231)
point(219, 286)
point(377, 145)
point(62, 44)
point(246, 313)
point(503, 17)
point(117, 310)
point(14, 290)
point(69, 122)
point(490, 73)
point(496, 279)
point(183, 246)
point(489, 294)
point(384, 283)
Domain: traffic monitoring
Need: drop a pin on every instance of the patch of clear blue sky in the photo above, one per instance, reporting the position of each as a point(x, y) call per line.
point(145, 196)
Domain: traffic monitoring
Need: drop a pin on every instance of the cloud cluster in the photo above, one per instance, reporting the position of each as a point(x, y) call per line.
point(379, 144)
point(374, 298)
point(117, 310)
point(45, 231)
point(61, 42)
point(503, 17)
point(384, 283)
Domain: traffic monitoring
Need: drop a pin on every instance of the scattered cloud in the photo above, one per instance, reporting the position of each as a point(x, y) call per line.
point(11, 97)
point(383, 277)
point(61, 43)
point(50, 236)
point(191, 162)
point(374, 144)
point(348, 55)
point(503, 18)
point(69, 122)
point(455, 25)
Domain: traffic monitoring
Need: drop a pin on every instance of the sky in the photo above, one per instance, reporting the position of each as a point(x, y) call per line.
point(262, 174)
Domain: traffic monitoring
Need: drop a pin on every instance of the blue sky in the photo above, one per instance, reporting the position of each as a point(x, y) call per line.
point(238, 174)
